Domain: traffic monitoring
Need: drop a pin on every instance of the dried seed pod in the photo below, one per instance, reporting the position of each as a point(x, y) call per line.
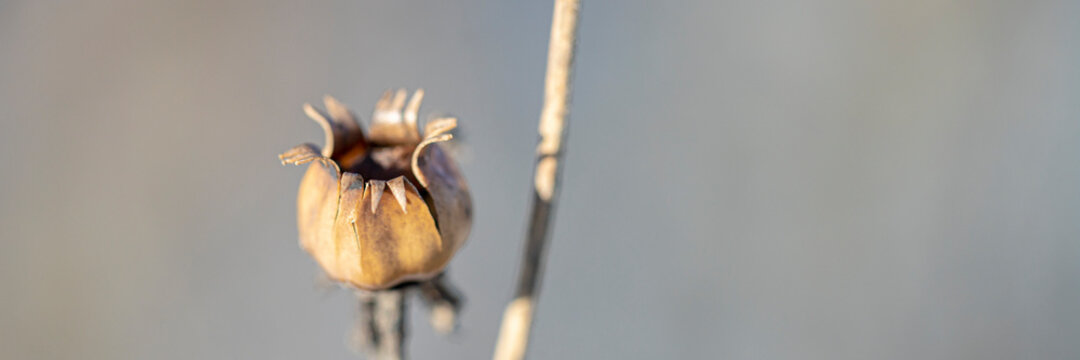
point(356, 234)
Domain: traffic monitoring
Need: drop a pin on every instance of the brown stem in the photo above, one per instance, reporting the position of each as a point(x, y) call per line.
point(517, 319)
point(379, 332)
point(365, 337)
point(390, 324)
point(443, 303)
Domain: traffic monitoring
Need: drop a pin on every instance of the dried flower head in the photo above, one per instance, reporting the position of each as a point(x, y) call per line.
point(356, 234)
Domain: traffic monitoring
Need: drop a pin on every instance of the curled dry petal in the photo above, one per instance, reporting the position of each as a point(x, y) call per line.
point(342, 131)
point(411, 112)
point(449, 194)
point(299, 155)
point(420, 151)
point(357, 235)
point(389, 125)
point(439, 126)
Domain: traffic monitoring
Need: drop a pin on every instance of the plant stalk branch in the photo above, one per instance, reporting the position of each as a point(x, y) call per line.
point(517, 319)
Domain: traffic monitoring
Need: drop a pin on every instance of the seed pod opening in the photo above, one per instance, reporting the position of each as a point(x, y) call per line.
point(378, 210)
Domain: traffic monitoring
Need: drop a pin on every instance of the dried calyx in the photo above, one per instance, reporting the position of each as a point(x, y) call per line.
point(343, 217)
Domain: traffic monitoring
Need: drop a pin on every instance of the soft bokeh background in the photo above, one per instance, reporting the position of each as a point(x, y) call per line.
point(828, 179)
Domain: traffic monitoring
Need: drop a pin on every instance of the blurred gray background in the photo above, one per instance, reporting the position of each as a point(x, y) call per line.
point(828, 179)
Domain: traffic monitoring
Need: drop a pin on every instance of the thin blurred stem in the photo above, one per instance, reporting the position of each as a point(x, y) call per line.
point(517, 319)
point(443, 302)
point(390, 324)
point(365, 336)
point(379, 332)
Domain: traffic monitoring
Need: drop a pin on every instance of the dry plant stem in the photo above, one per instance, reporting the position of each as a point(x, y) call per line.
point(380, 323)
point(365, 336)
point(517, 319)
point(379, 332)
point(443, 302)
point(390, 323)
